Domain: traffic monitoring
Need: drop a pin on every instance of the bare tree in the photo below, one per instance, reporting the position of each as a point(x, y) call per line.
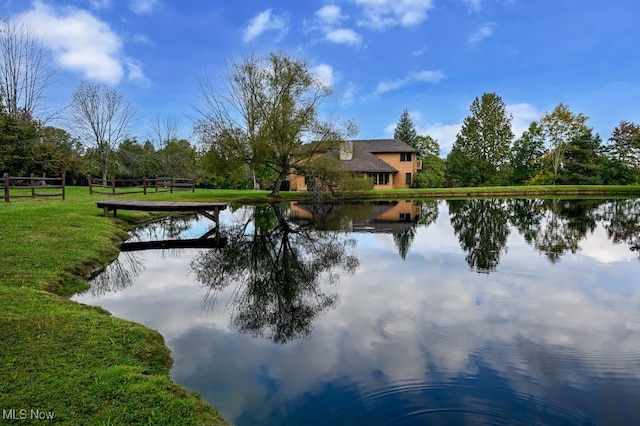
point(165, 128)
point(25, 70)
point(102, 118)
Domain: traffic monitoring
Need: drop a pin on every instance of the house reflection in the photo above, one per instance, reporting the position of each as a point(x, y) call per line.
point(397, 218)
point(389, 217)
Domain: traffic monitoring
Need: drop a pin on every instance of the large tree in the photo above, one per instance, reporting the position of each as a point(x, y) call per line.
point(432, 173)
point(582, 163)
point(269, 110)
point(482, 151)
point(102, 118)
point(25, 70)
point(560, 127)
point(405, 129)
point(625, 144)
point(527, 154)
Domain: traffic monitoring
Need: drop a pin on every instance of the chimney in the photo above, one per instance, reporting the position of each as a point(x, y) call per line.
point(346, 150)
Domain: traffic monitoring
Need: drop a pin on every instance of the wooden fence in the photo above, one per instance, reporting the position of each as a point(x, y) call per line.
point(136, 186)
point(33, 186)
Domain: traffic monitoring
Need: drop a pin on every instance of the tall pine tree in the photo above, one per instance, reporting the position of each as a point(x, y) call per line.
point(405, 130)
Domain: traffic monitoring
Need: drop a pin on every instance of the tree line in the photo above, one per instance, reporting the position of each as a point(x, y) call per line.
point(266, 124)
point(559, 148)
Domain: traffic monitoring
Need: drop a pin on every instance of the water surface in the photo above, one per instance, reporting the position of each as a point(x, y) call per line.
point(437, 312)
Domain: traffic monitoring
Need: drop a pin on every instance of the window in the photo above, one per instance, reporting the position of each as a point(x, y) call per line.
point(405, 217)
point(405, 156)
point(379, 178)
point(408, 178)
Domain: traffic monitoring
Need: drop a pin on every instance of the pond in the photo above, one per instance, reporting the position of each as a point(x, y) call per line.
point(494, 311)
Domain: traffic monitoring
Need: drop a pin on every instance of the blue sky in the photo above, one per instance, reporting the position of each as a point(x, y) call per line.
point(432, 57)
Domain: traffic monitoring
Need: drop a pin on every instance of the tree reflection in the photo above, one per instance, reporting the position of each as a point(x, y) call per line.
point(482, 229)
point(277, 267)
point(405, 238)
point(561, 225)
point(621, 220)
point(118, 275)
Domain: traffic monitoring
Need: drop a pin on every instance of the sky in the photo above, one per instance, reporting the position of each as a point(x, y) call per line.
point(430, 57)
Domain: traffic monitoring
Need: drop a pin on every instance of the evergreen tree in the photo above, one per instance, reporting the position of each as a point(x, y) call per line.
point(526, 150)
point(405, 130)
point(582, 165)
point(481, 154)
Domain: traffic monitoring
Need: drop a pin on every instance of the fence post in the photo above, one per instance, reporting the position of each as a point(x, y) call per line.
point(90, 185)
point(156, 183)
point(33, 186)
point(144, 185)
point(171, 185)
point(6, 187)
point(64, 182)
point(113, 186)
point(193, 186)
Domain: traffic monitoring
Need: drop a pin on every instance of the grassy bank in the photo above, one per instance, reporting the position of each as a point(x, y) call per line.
point(504, 191)
point(79, 362)
point(76, 361)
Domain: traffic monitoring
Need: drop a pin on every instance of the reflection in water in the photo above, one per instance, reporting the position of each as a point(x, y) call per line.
point(118, 275)
point(622, 221)
point(548, 333)
point(482, 228)
point(277, 269)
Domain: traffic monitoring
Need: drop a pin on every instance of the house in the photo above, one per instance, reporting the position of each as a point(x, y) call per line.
point(390, 163)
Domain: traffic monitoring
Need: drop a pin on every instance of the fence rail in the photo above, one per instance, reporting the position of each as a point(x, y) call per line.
point(136, 186)
point(33, 186)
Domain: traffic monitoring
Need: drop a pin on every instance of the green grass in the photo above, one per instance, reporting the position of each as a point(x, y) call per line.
point(78, 361)
point(503, 191)
point(85, 365)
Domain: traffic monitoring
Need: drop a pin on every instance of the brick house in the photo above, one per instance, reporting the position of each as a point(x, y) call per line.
point(390, 163)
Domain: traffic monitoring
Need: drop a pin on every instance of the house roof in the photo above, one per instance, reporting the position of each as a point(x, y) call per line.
point(364, 159)
point(383, 145)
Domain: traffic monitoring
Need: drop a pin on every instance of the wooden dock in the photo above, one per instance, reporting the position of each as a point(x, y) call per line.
point(210, 210)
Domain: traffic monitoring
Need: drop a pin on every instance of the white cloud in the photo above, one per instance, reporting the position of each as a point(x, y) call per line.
point(100, 4)
point(523, 114)
point(142, 7)
point(419, 52)
point(142, 39)
point(420, 76)
point(349, 95)
point(328, 22)
point(485, 31)
point(80, 42)
point(325, 74)
point(263, 22)
point(445, 134)
point(343, 36)
point(382, 14)
point(474, 5)
point(330, 14)
point(136, 74)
